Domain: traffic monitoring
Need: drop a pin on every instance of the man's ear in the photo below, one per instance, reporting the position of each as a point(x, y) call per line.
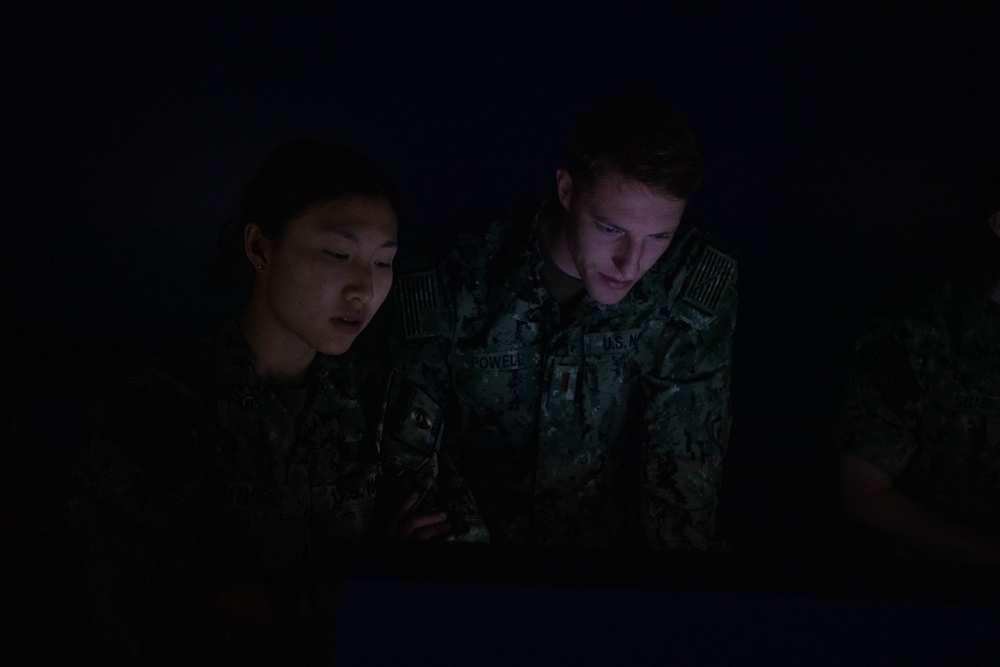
point(994, 222)
point(256, 246)
point(564, 187)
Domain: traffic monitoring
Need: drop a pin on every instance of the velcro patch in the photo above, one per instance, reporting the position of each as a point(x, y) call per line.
point(418, 298)
point(709, 279)
point(885, 361)
point(414, 421)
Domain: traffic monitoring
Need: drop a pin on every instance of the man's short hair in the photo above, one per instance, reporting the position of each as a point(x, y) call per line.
point(640, 138)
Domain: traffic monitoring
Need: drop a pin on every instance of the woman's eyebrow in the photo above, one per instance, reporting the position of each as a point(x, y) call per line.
point(353, 238)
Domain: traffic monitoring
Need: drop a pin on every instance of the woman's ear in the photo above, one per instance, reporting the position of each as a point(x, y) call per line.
point(257, 246)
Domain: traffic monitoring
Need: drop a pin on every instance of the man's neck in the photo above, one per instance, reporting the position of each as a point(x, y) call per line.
point(564, 286)
point(552, 224)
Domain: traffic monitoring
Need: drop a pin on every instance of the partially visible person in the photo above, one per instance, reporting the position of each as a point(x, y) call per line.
point(583, 346)
point(920, 435)
point(222, 482)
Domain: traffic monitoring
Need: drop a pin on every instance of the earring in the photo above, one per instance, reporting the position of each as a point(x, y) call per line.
point(260, 267)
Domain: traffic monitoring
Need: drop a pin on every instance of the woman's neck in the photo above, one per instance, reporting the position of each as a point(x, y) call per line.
point(278, 355)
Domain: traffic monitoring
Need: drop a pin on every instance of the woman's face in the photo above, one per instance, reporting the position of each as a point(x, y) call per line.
point(330, 271)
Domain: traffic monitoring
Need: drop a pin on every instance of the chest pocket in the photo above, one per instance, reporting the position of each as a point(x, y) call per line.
point(336, 429)
point(338, 466)
point(341, 510)
point(412, 428)
point(610, 371)
point(497, 379)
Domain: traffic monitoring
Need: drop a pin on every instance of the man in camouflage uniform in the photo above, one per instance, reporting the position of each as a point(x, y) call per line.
point(920, 436)
point(583, 347)
point(215, 506)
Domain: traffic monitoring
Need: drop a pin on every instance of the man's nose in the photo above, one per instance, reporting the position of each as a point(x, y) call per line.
point(626, 259)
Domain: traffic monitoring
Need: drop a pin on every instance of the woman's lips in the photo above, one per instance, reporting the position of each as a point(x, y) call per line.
point(347, 325)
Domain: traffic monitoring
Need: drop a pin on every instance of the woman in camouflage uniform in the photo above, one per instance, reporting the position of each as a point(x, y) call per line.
point(221, 483)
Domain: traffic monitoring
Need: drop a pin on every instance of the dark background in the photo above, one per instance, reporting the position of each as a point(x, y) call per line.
point(845, 144)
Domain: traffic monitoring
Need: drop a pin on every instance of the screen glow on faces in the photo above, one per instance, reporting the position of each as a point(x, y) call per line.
point(616, 229)
point(331, 271)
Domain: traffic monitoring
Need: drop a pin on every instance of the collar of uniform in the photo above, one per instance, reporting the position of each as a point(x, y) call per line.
point(520, 263)
point(234, 368)
point(667, 275)
point(242, 393)
point(333, 371)
point(236, 383)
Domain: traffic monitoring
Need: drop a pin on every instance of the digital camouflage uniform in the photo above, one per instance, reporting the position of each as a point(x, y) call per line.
point(924, 403)
point(602, 427)
point(198, 475)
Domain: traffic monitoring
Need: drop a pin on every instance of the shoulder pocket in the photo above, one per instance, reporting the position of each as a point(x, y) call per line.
point(412, 428)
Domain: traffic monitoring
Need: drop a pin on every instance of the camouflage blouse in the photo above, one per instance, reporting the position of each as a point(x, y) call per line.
point(198, 474)
point(924, 403)
point(601, 427)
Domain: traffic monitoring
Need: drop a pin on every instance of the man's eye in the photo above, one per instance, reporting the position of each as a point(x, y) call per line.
point(607, 229)
point(384, 265)
point(336, 255)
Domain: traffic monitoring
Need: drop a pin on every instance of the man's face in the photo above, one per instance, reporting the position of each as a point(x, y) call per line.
point(616, 229)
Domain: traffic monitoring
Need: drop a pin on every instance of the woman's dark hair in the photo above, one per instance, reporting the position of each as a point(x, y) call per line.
point(640, 138)
point(293, 177)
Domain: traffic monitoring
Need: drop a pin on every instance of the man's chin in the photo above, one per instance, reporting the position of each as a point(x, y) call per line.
point(604, 298)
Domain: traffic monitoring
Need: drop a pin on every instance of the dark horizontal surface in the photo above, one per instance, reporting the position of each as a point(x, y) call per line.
point(489, 606)
point(473, 604)
point(501, 624)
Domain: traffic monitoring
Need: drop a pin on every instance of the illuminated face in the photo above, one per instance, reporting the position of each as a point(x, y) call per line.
point(328, 274)
point(615, 230)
